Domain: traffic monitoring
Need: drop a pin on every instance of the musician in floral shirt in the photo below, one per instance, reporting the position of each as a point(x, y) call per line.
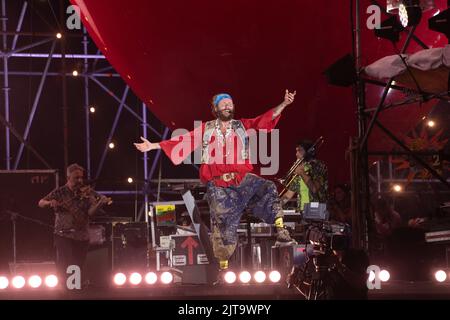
point(72, 203)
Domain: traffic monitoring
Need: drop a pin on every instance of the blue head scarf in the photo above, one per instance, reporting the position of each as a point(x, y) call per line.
point(220, 97)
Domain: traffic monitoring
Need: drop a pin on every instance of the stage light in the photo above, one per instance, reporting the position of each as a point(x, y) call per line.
point(440, 276)
point(166, 277)
point(230, 277)
point(259, 276)
point(275, 276)
point(384, 275)
point(120, 279)
point(392, 5)
point(371, 276)
point(51, 281)
point(135, 278)
point(342, 73)
point(410, 13)
point(151, 278)
point(35, 281)
point(4, 283)
point(130, 180)
point(59, 35)
point(18, 282)
point(245, 277)
point(111, 145)
point(75, 73)
point(397, 188)
point(92, 109)
point(431, 123)
point(403, 14)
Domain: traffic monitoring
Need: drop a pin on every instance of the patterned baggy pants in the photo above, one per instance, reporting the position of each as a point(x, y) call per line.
point(228, 204)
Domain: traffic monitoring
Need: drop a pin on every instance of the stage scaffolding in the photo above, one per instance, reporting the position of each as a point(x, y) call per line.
point(92, 79)
point(369, 118)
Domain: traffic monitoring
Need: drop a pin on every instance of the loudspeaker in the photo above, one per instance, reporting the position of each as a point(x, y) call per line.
point(199, 274)
point(130, 245)
point(98, 266)
point(390, 29)
point(342, 73)
point(441, 22)
point(20, 192)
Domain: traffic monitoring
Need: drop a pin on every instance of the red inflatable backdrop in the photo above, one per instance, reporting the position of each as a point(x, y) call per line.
point(176, 54)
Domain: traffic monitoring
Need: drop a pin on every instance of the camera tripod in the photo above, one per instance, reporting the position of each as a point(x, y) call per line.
point(320, 288)
point(313, 279)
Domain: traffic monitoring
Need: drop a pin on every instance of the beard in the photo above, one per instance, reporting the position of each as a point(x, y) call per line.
point(225, 116)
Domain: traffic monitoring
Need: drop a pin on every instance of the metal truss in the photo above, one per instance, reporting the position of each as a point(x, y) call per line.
point(92, 80)
point(367, 120)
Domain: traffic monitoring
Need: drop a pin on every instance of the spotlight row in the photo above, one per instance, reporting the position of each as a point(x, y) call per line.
point(34, 281)
point(135, 278)
point(383, 276)
point(231, 277)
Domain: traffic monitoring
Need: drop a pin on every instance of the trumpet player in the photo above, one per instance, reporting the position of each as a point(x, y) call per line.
point(311, 180)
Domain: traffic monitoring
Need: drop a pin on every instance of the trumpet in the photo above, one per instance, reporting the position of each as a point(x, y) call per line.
point(291, 175)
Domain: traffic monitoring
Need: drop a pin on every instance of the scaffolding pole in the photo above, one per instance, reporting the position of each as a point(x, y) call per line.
point(90, 74)
point(86, 104)
point(6, 87)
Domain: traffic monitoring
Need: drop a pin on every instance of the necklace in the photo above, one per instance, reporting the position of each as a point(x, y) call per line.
point(228, 131)
point(222, 138)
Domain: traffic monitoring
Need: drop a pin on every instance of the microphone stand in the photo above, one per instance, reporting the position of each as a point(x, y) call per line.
point(13, 217)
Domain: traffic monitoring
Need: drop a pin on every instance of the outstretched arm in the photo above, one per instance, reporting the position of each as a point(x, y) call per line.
point(178, 147)
point(146, 145)
point(288, 99)
point(269, 119)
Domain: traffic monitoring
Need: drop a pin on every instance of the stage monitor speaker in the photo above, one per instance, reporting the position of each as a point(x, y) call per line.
point(130, 246)
point(98, 267)
point(20, 192)
point(199, 274)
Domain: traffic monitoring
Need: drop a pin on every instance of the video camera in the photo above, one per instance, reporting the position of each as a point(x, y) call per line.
point(325, 237)
point(322, 233)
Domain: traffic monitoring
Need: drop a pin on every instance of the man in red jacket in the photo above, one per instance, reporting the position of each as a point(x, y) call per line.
point(226, 169)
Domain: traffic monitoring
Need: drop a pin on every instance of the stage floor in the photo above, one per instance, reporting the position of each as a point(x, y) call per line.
point(389, 291)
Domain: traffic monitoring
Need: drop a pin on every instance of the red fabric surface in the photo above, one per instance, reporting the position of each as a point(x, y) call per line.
point(177, 55)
